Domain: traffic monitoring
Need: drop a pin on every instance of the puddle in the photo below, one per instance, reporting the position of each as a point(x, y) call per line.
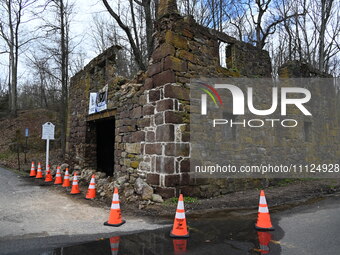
point(218, 236)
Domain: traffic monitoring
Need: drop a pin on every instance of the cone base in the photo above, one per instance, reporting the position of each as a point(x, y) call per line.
point(106, 223)
point(57, 183)
point(264, 229)
point(39, 177)
point(89, 198)
point(74, 193)
point(176, 236)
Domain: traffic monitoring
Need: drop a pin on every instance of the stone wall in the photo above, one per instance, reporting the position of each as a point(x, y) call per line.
point(152, 140)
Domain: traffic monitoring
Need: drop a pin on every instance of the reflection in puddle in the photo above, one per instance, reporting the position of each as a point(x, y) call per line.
point(180, 246)
point(217, 236)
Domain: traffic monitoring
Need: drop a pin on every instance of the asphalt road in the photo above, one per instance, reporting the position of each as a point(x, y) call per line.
point(310, 229)
point(29, 211)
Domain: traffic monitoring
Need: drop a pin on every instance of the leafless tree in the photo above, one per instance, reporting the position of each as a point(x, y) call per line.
point(11, 21)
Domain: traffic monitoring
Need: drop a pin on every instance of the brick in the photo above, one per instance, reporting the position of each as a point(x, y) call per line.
point(166, 192)
point(155, 148)
point(176, 40)
point(159, 119)
point(165, 133)
point(185, 179)
point(185, 165)
point(138, 136)
point(150, 136)
point(152, 179)
point(145, 122)
point(166, 104)
point(172, 180)
point(185, 55)
point(148, 110)
point(172, 117)
point(148, 84)
point(186, 137)
point(165, 165)
point(162, 51)
point(154, 69)
point(164, 77)
point(176, 92)
point(177, 149)
point(154, 95)
point(136, 112)
point(134, 148)
point(174, 63)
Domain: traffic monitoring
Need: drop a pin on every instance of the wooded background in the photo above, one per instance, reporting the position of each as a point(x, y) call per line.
point(39, 50)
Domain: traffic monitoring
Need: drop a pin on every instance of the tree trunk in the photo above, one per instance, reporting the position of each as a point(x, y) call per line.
point(64, 78)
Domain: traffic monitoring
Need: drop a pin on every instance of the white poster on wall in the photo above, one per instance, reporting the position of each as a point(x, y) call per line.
point(93, 103)
point(102, 99)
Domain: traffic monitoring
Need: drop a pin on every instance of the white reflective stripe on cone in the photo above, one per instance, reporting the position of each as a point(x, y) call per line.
point(263, 209)
point(92, 187)
point(180, 215)
point(180, 205)
point(114, 245)
point(263, 200)
point(115, 206)
point(74, 183)
point(115, 197)
point(92, 180)
point(66, 177)
point(264, 247)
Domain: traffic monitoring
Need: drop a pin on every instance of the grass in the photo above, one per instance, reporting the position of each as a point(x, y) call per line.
point(174, 200)
point(5, 155)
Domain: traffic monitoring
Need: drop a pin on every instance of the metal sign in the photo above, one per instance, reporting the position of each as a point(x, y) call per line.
point(48, 131)
point(26, 132)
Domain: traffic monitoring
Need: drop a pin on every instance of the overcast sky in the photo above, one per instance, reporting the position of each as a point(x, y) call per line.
point(80, 27)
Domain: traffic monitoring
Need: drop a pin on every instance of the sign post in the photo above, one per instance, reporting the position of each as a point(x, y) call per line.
point(26, 147)
point(48, 134)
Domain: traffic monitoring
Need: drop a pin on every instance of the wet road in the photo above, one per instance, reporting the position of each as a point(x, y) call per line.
point(29, 211)
point(308, 229)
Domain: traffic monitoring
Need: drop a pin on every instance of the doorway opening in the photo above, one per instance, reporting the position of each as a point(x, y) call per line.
point(105, 136)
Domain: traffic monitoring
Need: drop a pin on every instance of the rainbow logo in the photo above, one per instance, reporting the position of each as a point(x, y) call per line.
point(211, 95)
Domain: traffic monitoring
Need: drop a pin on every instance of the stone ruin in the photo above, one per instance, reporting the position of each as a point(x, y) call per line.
point(141, 142)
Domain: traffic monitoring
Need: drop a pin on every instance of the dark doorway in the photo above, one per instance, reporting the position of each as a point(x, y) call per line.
point(105, 132)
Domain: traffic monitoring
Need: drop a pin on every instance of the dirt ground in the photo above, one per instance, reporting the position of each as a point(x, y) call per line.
point(278, 198)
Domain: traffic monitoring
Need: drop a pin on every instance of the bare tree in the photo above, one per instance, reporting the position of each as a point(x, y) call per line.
point(11, 21)
point(58, 47)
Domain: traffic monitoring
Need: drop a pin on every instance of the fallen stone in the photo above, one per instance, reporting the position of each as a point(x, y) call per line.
point(121, 180)
point(147, 192)
point(157, 198)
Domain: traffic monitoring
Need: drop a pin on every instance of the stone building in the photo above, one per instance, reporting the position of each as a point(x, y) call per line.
point(143, 135)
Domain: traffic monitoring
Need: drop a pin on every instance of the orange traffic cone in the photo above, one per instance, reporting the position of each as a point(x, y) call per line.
point(91, 192)
point(66, 182)
point(48, 175)
point(264, 240)
point(75, 187)
point(114, 243)
point(39, 173)
point(33, 173)
point(263, 219)
point(58, 178)
point(180, 246)
point(115, 218)
point(179, 228)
